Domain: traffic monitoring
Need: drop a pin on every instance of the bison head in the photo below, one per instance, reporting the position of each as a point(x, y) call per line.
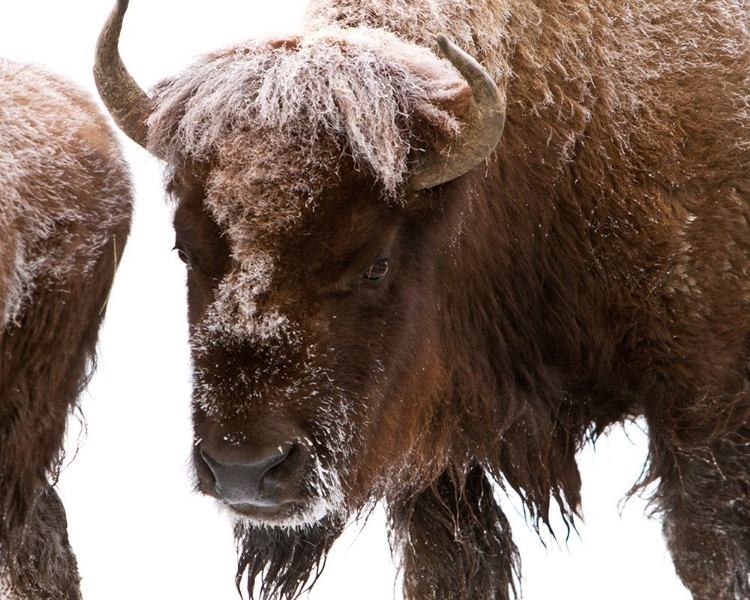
point(301, 170)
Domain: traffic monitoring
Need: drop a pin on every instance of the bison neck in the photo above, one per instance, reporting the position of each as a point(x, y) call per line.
point(549, 294)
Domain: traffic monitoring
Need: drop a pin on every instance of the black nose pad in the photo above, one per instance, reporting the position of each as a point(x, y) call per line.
point(257, 479)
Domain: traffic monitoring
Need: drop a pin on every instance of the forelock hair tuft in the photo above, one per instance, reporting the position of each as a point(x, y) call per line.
point(362, 88)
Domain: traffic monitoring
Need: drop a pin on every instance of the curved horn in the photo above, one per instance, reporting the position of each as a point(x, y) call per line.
point(484, 125)
point(128, 104)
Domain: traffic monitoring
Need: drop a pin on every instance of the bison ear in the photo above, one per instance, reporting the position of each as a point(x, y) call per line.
point(480, 108)
point(452, 96)
point(457, 101)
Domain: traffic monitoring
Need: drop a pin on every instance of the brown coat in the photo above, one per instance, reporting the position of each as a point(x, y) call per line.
point(65, 203)
point(354, 339)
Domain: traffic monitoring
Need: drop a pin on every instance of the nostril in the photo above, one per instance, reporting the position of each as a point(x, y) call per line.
point(290, 456)
point(250, 476)
point(281, 458)
point(209, 462)
point(273, 466)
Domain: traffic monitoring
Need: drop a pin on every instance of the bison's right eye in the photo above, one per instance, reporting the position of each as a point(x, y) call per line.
point(182, 255)
point(377, 270)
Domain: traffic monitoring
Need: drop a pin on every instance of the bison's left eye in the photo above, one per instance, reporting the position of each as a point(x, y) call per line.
point(377, 270)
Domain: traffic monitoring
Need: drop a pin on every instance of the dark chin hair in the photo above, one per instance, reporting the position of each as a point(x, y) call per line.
point(284, 561)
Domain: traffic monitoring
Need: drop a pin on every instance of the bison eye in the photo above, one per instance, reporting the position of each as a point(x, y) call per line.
point(183, 257)
point(377, 270)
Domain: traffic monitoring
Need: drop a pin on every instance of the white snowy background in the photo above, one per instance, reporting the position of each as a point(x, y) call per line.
point(138, 529)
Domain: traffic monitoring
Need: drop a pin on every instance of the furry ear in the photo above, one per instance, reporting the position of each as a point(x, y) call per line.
point(448, 94)
point(481, 128)
point(431, 131)
point(457, 101)
point(285, 559)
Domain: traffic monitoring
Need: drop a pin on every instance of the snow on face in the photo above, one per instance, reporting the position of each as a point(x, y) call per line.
point(234, 313)
point(244, 198)
point(251, 205)
point(271, 120)
point(247, 393)
point(327, 499)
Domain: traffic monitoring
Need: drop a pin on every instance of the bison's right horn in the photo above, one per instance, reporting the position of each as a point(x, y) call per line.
point(128, 104)
point(483, 128)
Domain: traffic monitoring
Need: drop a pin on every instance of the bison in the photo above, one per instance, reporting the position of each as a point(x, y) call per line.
point(65, 204)
point(424, 280)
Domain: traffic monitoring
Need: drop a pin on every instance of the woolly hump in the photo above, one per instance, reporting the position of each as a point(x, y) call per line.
point(53, 148)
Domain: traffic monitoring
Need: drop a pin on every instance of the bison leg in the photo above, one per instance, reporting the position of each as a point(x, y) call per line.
point(42, 565)
point(455, 541)
point(704, 496)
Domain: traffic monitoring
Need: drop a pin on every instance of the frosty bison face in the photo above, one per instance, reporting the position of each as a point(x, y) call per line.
point(313, 340)
point(298, 169)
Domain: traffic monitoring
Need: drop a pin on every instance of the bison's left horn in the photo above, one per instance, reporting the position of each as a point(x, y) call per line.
point(128, 104)
point(483, 128)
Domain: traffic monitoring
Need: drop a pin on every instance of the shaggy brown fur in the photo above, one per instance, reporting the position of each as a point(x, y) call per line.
point(65, 203)
point(596, 268)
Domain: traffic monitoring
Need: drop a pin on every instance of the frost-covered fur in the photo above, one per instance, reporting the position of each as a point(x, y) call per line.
point(363, 87)
point(35, 176)
point(484, 29)
point(596, 268)
point(65, 203)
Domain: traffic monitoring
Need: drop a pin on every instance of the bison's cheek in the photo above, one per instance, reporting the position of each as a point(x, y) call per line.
point(396, 419)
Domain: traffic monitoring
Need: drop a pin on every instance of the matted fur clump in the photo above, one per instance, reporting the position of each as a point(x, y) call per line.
point(360, 87)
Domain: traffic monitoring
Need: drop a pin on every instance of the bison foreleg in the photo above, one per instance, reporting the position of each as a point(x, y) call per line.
point(41, 565)
point(455, 542)
point(704, 497)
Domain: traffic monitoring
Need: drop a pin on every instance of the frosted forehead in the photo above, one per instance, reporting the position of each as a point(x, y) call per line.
point(358, 90)
point(272, 120)
point(254, 190)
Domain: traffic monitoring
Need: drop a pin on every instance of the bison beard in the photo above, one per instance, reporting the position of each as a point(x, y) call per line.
point(454, 539)
point(285, 558)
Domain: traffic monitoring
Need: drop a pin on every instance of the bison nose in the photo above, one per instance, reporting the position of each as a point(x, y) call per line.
point(256, 478)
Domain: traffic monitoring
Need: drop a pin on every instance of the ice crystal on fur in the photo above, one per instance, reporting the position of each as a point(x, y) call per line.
point(43, 236)
point(359, 87)
point(234, 312)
